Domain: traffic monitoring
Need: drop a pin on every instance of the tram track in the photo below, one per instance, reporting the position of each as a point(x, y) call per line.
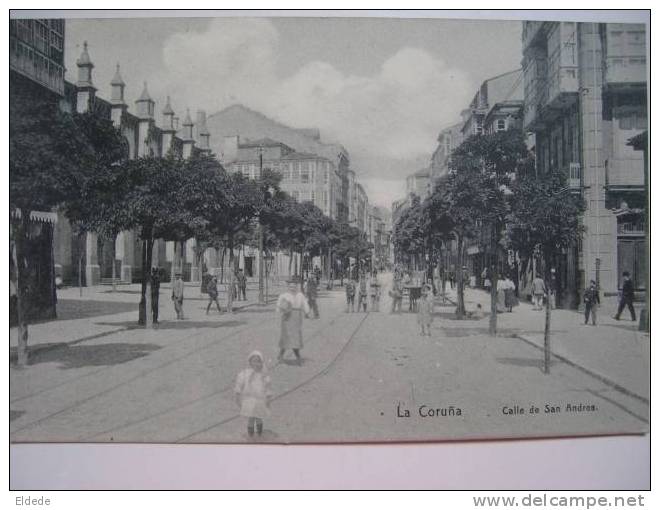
point(163, 412)
point(211, 343)
point(296, 387)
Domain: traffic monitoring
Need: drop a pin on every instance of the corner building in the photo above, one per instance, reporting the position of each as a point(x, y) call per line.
point(585, 87)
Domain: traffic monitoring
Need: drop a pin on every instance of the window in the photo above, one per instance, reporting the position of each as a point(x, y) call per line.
point(41, 37)
point(501, 125)
point(304, 175)
point(56, 40)
point(326, 176)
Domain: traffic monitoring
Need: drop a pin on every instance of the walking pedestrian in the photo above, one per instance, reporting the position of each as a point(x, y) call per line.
point(292, 306)
point(627, 297)
point(501, 294)
point(155, 293)
point(311, 294)
point(177, 296)
point(374, 291)
point(538, 291)
point(552, 289)
point(253, 393)
point(241, 281)
point(591, 303)
point(212, 290)
point(424, 311)
point(350, 296)
point(397, 296)
point(510, 299)
point(231, 289)
point(362, 294)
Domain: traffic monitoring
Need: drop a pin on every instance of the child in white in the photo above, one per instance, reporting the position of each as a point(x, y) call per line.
point(253, 393)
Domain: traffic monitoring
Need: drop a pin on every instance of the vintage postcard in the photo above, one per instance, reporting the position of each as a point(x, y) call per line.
point(327, 229)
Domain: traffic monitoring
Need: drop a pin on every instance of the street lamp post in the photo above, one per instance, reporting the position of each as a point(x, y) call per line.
point(260, 231)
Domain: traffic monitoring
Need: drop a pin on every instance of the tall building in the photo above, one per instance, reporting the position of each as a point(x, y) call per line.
point(240, 121)
point(36, 73)
point(89, 258)
point(36, 55)
point(448, 139)
point(305, 176)
point(494, 105)
point(419, 183)
point(585, 90)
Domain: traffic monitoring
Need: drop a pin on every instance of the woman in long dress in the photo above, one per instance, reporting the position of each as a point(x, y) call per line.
point(292, 306)
point(501, 299)
point(510, 298)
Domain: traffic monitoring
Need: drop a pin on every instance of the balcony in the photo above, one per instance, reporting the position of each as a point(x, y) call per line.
point(624, 175)
point(625, 71)
point(574, 177)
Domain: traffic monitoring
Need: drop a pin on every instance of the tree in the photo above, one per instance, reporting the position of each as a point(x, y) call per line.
point(51, 152)
point(491, 162)
point(544, 214)
point(410, 235)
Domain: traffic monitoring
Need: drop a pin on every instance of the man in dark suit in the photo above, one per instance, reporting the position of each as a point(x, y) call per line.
point(627, 297)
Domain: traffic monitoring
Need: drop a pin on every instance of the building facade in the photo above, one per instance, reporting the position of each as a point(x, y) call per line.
point(585, 96)
point(306, 177)
point(87, 258)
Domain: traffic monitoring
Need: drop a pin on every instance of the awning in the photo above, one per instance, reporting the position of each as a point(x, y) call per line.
point(38, 216)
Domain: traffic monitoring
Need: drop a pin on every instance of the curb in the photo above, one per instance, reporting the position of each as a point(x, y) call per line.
point(39, 348)
point(605, 380)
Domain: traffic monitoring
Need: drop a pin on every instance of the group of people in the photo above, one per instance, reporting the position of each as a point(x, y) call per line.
point(365, 289)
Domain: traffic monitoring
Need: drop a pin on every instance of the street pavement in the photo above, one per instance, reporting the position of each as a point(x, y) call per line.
point(102, 379)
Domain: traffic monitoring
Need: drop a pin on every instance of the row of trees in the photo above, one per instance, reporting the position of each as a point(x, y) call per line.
point(78, 164)
point(492, 196)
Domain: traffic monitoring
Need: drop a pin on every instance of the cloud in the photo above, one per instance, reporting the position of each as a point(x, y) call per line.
point(388, 121)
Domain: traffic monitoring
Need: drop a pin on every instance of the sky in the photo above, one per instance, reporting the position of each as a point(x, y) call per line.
point(383, 88)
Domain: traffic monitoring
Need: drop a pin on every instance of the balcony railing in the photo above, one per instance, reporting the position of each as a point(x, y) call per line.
point(574, 176)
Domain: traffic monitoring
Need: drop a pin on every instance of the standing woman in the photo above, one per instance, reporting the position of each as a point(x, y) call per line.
point(292, 305)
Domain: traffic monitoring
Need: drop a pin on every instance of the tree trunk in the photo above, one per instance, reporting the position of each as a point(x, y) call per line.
point(460, 310)
point(80, 257)
point(222, 264)
point(290, 261)
point(301, 274)
point(546, 337)
point(492, 323)
point(114, 269)
point(546, 329)
point(144, 315)
point(17, 253)
point(149, 317)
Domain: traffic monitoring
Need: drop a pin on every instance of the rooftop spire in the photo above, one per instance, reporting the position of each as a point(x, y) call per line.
point(84, 59)
point(117, 80)
point(145, 94)
point(168, 108)
point(187, 121)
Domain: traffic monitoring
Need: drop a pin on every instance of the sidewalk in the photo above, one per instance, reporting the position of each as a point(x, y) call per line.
point(613, 351)
point(101, 303)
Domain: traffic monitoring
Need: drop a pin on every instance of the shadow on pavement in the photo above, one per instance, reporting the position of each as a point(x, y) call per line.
point(464, 332)
point(14, 415)
point(78, 356)
point(183, 324)
point(631, 326)
point(525, 362)
point(76, 309)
